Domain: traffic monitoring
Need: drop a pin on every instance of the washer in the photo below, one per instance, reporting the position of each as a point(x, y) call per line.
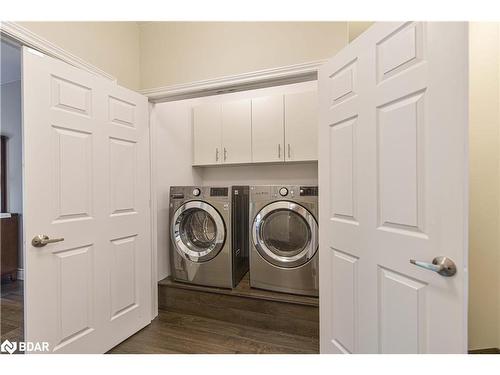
point(284, 239)
point(208, 232)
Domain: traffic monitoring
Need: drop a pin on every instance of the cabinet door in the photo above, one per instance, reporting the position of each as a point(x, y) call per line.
point(301, 126)
point(207, 134)
point(267, 129)
point(237, 131)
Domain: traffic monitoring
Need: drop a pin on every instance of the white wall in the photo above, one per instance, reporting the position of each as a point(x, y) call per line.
point(181, 52)
point(484, 186)
point(11, 127)
point(275, 174)
point(174, 154)
point(174, 158)
point(357, 28)
point(154, 54)
point(111, 46)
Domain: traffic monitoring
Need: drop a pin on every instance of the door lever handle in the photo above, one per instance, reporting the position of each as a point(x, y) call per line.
point(442, 265)
point(42, 239)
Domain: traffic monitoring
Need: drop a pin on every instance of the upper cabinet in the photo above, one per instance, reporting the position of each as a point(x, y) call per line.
point(267, 129)
point(301, 126)
point(237, 131)
point(280, 127)
point(207, 133)
point(222, 133)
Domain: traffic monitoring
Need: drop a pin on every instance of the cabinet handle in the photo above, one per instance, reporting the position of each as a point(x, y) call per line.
point(289, 151)
point(279, 151)
point(225, 154)
point(216, 154)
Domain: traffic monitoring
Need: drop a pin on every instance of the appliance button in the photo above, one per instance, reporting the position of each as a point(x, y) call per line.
point(196, 192)
point(283, 191)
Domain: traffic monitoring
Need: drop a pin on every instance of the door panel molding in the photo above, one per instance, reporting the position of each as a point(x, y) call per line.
point(87, 181)
point(393, 172)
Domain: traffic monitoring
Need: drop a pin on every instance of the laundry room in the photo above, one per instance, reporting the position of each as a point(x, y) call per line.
point(221, 159)
point(250, 187)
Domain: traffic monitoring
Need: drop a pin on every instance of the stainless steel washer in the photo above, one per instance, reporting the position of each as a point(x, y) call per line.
point(208, 246)
point(284, 239)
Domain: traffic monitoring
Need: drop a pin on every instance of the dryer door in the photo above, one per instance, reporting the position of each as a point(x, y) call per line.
point(198, 231)
point(285, 234)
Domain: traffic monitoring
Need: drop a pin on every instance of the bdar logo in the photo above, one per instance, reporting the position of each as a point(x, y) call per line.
point(8, 347)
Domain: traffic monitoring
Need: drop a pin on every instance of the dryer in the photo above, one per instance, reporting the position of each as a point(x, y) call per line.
point(209, 237)
point(284, 239)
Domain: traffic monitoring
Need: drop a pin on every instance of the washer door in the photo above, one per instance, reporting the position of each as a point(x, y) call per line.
point(198, 231)
point(285, 234)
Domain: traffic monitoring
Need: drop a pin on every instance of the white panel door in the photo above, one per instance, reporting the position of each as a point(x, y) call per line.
point(301, 126)
point(86, 173)
point(237, 131)
point(268, 129)
point(393, 183)
point(207, 134)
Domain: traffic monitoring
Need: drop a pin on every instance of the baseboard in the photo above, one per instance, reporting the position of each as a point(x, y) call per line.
point(20, 273)
point(485, 351)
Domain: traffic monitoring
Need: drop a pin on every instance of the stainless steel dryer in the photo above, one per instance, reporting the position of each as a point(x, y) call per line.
point(209, 237)
point(284, 239)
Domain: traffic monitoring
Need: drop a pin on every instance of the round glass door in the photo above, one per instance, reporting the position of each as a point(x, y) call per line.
point(198, 231)
point(285, 234)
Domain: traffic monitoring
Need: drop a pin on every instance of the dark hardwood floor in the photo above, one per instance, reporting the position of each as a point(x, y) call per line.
point(11, 311)
point(293, 314)
point(198, 319)
point(184, 333)
point(485, 351)
point(178, 333)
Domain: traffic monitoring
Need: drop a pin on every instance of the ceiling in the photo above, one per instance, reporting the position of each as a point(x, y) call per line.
point(10, 61)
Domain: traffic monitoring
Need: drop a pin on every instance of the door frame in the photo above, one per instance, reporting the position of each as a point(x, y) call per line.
point(13, 33)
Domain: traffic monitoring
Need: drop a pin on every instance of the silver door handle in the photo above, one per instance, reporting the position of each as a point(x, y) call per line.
point(42, 239)
point(289, 151)
point(216, 154)
point(442, 265)
point(279, 151)
point(225, 154)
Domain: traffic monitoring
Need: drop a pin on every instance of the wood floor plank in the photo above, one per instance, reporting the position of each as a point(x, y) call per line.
point(173, 332)
point(292, 342)
point(12, 311)
point(294, 325)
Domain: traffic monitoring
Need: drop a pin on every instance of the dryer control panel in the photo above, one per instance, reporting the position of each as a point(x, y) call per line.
point(308, 191)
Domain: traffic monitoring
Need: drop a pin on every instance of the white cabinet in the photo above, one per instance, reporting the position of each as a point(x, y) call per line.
point(222, 133)
point(207, 134)
point(237, 131)
point(301, 126)
point(267, 129)
point(282, 127)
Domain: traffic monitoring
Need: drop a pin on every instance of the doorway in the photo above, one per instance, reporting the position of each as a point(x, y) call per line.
point(11, 216)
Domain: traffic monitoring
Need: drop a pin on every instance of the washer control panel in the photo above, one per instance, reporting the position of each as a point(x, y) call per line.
point(219, 192)
point(283, 191)
point(196, 192)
